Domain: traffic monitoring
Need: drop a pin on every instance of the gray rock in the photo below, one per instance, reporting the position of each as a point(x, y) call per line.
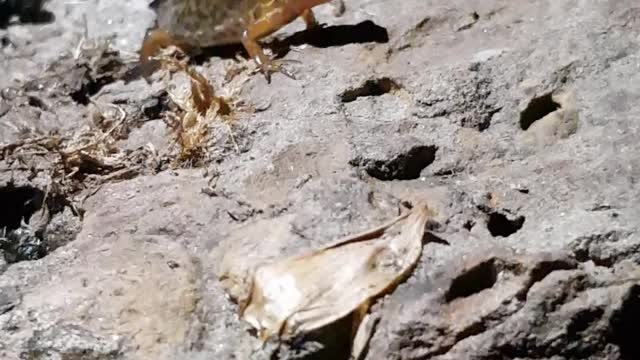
point(9, 298)
point(72, 342)
point(534, 251)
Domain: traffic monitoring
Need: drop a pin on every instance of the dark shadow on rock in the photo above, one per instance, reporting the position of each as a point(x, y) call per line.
point(332, 36)
point(27, 11)
point(18, 204)
point(429, 237)
point(321, 37)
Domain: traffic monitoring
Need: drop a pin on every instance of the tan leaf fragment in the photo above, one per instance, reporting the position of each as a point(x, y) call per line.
point(308, 292)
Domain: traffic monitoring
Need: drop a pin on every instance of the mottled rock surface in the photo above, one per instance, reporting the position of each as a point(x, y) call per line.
point(516, 120)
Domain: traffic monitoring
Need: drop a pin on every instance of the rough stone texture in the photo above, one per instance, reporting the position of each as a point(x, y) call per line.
point(516, 120)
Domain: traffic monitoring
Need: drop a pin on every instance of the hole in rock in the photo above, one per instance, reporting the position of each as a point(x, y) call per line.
point(480, 277)
point(538, 108)
point(373, 87)
point(93, 72)
point(468, 225)
point(624, 325)
point(540, 271)
point(18, 205)
point(28, 12)
point(500, 225)
point(404, 166)
point(583, 319)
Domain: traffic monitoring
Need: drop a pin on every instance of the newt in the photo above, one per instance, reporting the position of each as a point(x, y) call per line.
point(194, 24)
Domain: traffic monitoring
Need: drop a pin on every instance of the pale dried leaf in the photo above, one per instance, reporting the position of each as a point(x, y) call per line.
point(308, 292)
point(362, 336)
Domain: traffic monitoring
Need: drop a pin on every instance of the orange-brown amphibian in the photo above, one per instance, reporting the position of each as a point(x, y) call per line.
point(203, 23)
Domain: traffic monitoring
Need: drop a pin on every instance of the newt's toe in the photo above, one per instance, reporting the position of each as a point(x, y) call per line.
point(271, 66)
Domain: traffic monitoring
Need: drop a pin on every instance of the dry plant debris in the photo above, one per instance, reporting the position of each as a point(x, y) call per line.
point(72, 158)
point(198, 108)
point(90, 156)
point(309, 292)
point(68, 164)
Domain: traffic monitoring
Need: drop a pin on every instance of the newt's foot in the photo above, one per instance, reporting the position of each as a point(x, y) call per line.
point(309, 19)
point(271, 66)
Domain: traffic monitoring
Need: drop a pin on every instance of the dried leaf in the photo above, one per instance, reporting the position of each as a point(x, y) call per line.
point(362, 336)
point(308, 292)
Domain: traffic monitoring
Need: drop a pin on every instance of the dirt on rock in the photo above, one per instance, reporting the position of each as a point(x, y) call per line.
point(515, 120)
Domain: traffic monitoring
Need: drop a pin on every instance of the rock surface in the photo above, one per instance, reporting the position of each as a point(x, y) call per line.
point(516, 120)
